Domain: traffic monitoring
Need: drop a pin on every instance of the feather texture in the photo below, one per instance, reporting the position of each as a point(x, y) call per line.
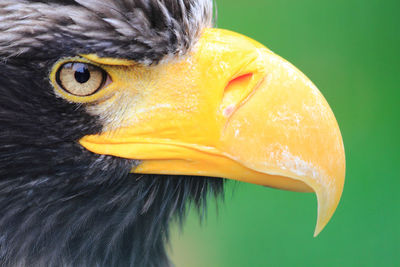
point(142, 30)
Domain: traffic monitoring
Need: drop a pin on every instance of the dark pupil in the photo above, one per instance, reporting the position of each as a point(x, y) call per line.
point(82, 73)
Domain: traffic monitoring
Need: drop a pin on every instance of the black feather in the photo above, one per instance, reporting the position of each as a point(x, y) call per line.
point(142, 30)
point(61, 205)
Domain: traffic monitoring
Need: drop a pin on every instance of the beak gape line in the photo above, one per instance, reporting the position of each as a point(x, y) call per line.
point(230, 109)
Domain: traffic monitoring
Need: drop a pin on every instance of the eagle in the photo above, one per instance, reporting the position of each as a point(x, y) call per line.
point(117, 115)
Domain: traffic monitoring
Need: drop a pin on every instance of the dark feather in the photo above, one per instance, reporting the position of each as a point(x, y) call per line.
point(61, 205)
point(142, 30)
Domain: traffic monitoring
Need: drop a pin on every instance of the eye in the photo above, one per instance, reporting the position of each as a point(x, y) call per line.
point(81, 79)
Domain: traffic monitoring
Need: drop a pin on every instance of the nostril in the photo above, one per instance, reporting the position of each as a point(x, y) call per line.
point(235, 91)
point(242, 79)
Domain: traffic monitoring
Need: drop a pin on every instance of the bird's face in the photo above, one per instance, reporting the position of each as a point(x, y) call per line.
point(129, 90)
point(229, 108)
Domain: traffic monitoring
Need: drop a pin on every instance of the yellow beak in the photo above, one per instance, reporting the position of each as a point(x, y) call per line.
point(231, 109)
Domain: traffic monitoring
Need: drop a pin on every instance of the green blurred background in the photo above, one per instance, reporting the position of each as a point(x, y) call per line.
point(351, 50)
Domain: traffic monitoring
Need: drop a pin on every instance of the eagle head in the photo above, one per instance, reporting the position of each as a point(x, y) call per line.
point(115, 114)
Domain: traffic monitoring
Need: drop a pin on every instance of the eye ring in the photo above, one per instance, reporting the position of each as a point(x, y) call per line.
point(81, 79)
